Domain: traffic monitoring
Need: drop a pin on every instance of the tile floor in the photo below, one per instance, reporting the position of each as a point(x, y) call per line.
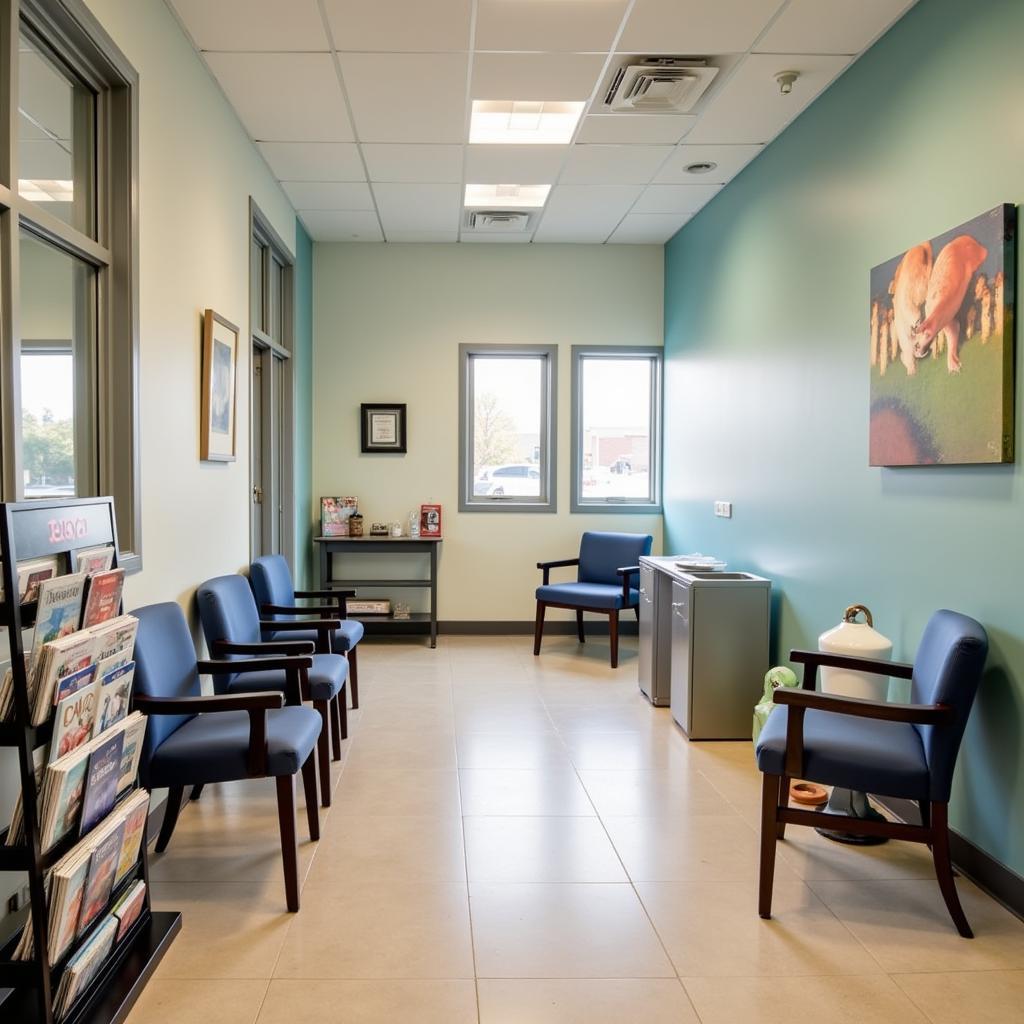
point(526, 841)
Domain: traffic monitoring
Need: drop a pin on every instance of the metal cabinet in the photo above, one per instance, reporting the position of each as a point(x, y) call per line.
point(655, 672)
point(719, 651)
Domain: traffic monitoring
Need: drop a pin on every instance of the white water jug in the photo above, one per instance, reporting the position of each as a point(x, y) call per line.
point(861, 640)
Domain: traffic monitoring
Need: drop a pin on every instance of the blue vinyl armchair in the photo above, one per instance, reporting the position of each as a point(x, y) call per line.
point(276, 595)
point(896, 750)
point(608, 570)
point(232, 628)
point(192, 739)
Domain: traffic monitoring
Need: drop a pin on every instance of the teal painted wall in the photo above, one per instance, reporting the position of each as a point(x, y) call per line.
point(302, 369)
point(766, 320)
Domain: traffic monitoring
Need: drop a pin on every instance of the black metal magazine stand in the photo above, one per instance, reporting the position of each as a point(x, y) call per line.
point(30, 530)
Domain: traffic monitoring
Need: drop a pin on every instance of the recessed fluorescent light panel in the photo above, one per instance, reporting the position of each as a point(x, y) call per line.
point(46, 190)
point(508, 197)
point(524, 122)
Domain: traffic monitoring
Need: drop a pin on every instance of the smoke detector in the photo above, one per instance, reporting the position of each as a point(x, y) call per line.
point(659, 85)
point(703, 167)
point(505, 222)
point(786, 80)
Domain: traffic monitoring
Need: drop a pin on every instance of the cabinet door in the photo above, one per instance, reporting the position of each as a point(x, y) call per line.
point(646, 628)
point(681, 655)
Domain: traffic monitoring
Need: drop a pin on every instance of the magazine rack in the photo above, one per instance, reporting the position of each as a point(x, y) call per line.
point(28, 530)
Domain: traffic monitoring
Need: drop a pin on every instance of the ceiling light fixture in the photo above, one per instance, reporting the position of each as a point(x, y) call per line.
point(46, 190)
point(786, 80)
point(703, 167)
point(527, 197)
point(524, 122)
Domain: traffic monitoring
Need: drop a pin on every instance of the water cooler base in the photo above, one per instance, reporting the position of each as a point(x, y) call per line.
point(851, 803)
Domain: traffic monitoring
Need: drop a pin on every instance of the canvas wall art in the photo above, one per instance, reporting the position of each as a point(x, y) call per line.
point(941, 348)
point(220, 373)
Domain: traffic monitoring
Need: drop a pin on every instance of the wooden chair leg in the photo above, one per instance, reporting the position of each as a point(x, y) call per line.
point(289, 845)
point(780, 826)
point(353, 676)
point(944, 867)
point(769, 818)
point(197, 792)
point(538, 628)
point(309, 788)
point(579, 627)
point(323, 751)
point(172, 809)
point(336, 725)
point(613, 635)
point(343, 714)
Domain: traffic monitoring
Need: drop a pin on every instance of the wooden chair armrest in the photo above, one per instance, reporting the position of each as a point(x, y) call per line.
point(325, 595)
point(561, 563)
point(812, 659)
point(273, 664)
point(625, 572)
point(295, 627)
point(291, 609)
point(286, 647)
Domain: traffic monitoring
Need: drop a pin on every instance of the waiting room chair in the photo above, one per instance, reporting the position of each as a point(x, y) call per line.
point(192, 739)
point(607, 562)
point(276, 595)
point(232, 627)
point(896, 750)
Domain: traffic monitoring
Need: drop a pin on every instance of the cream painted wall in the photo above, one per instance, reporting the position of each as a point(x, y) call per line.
point(388, 320)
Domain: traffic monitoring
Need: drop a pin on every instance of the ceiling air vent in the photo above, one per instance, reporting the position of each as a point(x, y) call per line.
point(659, 85)
point(504, 221)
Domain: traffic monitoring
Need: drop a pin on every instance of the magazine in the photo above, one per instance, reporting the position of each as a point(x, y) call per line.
point(32, 573)
point(103, 597)
point(101, 779)
point(63, 789)
point(102, 866)
point(115, 639)
point(59, 608)
point(115, 695)
point(334, 515)
point(134, 733)
point(93, 560)
point(76, 715)
point(57, 659)
point(16, 832)
point(84, 966)
point(137, 809)
point(129, 907)
point(67, 891)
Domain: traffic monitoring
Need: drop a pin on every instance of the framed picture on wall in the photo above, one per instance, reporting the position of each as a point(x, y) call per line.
point(383, 428)
point(219, 398)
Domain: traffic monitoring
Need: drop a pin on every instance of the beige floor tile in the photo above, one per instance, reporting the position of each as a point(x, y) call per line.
point(359, 850)
point(425, 718)
point(627, 751)
point(503, 719)
point(968, 997)
point(229, 930)
point(380, 930)
point(813, 856)
point(597, 1001)
point(545, 849)
point(553, 791)
point(393, 792)
point(659, 793)
point(198, 1002)
point(712, 929)
point(601, 718)
point(563, 931)
point(377, 749)
point(695, 849)
point(872, 999)
point(904, 924)
point(512, 750)
point(369, 1002)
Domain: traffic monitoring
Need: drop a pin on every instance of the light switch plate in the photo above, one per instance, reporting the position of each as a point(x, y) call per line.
point(723, 509)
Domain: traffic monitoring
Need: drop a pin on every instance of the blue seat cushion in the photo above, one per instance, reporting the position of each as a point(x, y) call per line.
point(215, 747)
point(587, 595)
point(326, 678)
point(345, 637)
point(854, 753)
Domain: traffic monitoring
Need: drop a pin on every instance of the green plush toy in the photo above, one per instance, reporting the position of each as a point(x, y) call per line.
point(773, 679)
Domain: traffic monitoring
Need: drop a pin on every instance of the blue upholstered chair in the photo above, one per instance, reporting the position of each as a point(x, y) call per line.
point(232, 628)
point(276, 595)
point(604, 583)
point(896, 750)
point(192, 739)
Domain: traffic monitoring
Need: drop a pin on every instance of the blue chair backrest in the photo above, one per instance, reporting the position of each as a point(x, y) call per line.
point(165, 666)
point(227, 610)
point(602, 553)
point(271, 581)
point(947, 670)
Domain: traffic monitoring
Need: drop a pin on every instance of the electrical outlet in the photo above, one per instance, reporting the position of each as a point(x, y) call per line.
point(723, 509)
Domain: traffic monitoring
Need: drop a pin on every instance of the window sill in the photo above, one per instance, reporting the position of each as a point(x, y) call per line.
point(507, 506)
point(615, 508)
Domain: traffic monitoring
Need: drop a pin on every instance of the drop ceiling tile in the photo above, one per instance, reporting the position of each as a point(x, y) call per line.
point(253, 24)
point(551, 25)
point(577, 213)
point(675, 198)
point(341, 226)
point(514, 165)
point(750, 108)
point(635, 129)
point(613, 165)
point(314, 161)
point(284, 97)
point(387, 26)
point(831, 26)
point(535, 76)
point(730, 160)
point(405, 208)
point(423, 236)
point(695, 27)
point(407, 97)
point(328, 195)
point(648, 228)
point(424, 163)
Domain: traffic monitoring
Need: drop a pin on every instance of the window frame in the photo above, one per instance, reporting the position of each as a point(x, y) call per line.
point(548, 500)
point(72, 35)
point(616, 506)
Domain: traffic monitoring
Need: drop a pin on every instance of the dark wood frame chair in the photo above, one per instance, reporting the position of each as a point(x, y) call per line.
point(776, 813)
point(623, 573)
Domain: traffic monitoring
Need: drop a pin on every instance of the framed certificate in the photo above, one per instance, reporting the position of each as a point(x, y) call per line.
point(383, 428)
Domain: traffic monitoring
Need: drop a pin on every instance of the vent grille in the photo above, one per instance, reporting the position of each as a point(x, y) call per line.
point(659, 85)
point(498, 221)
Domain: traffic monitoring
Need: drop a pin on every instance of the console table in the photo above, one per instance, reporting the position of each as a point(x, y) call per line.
point(331, 546)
